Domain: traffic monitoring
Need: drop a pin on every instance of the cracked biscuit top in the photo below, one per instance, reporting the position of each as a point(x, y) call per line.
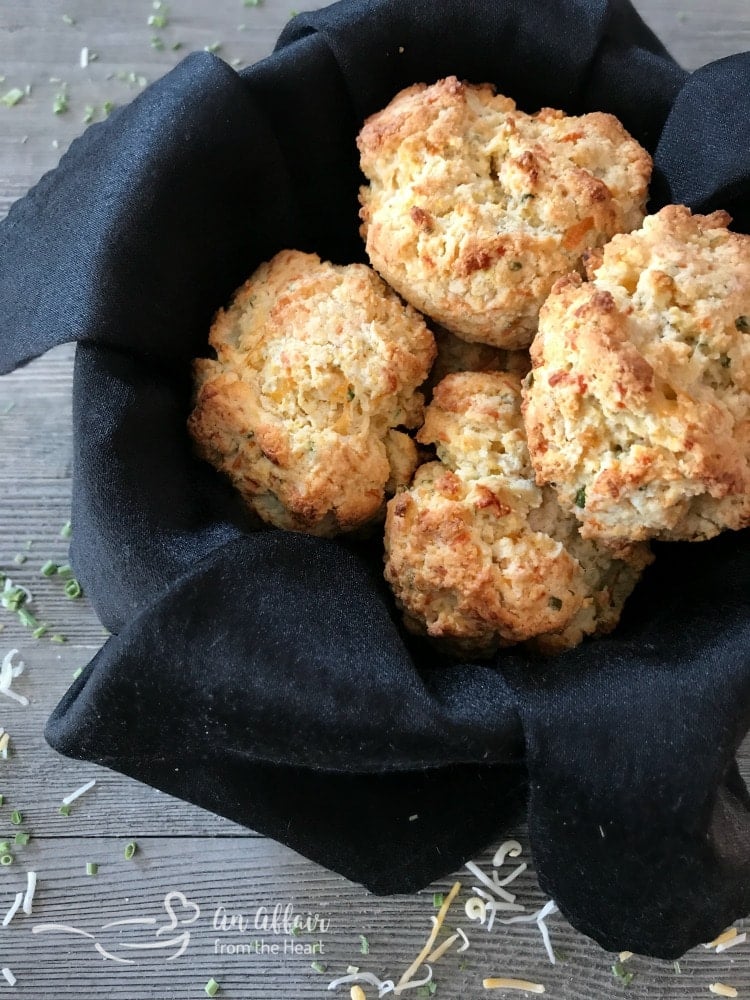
point(475, 208)
point(315, 378)
point(477, 554)
point(638, 405)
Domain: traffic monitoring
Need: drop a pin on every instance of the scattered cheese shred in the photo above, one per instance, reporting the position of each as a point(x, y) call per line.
point(430, 940)
point(509, 878)
point(477, 872)
point(78, 792)
point(441, 949)
point(512, 984)
point(625, 955)
point(383, 986)
point(539, 917)
point(4, 741)
point(508, 847)
point(28, 899)
point(13, 910)
point(8, 976)
point(722, 990)
point(7, 673)
point(727, 935)
point(357, 993)
point(739, 939)
point(475, 909)
point(465, 945)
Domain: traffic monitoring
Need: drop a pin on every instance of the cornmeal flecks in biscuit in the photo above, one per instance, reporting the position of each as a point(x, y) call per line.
point(638, 405)
point(316, 369)
point(475, 208)
point(477, 554)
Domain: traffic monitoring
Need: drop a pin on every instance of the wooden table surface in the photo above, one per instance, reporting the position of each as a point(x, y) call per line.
point(182, 849)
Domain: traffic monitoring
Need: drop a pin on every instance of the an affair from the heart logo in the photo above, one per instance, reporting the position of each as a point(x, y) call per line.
point(130, 939)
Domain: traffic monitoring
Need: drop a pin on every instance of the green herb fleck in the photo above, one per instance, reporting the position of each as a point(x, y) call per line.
point(157, 43)
point(4, 846)
point(176, 46)
point(16, 817)
point(108, 107)
point(743, 324)
point(620, 972)
point(213, 47)
point(27, 619)
point(158, 20)
point(251, 3)
point(6, 859)
point(65, 570)
point(70, 21)
point(19, 558)
point(49, 568)
point(130, 849)
point(296, 930)
point(64, 810)
point(22, 839)
point(40, 630)
point(57, 639)
point(555, 603)
point(560, 955)
point(73, 589)
point(318, 966)
point(724, 360)
point(2, 800)
point(438, 899)
point(92, 868)
point(61, 103)
point(350, 395)
point(515, 265)
point(317, 948)
point(580, 500)
point(211, 988)
point(67, 530)
point(12, 97)
point(77, 673)
point(463, 965)
point(293, 13)
point(364, 945)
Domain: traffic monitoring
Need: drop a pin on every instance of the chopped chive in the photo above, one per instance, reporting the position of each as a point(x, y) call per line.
point(22, 838)
point(73, 589)
point(108, 107)
point(6, 859)
point(251, 3)
point(130, 850)
point(19, 558)
point(364, 945)
point(213, 47)
point(12, 97)
point(67, 530)
point(61, 103)
point(296, 930)
point(70, 21)
point(318, 966)
point(58, 639)
point(211, 988)
point(176, 46)
point(77, 673)
point(2, 798)
point(742, 323)
point(580, 500)
point(92, 868)
point(40, 630)
point(350, 394)
point(157, 21)
point(64, 810)
point(555, 603)
point(317, 948)
point(88, 117)
point(463, 965)
point(157, 43)
point(65, 570)
point(438, 899)
point(620, 972)
point(4, 846)
point(27, 619)
point(16, 817)
point(515, 265)
point(49, 568)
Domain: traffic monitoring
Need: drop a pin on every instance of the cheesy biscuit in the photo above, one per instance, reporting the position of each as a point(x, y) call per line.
point(315, 378)
point(638, 405)
point(477, 554)
point(474, 208)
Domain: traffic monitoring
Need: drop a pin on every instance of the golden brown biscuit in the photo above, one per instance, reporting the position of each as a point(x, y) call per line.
point(475, 208)
point(317, 367)
point(477, 554)
point(638, 405)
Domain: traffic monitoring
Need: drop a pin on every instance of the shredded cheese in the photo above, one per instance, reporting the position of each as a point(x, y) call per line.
point(508, 848)
point(13, 910)
point(28, 899)
point(4, 741)
point(7, 673)
point(78, 792)
point(509, 878)
point(475, 909)
point(739, 939)
point(430, 940)
point(477, 872)
point(539, 917)
point(357, 993)
point(383, 986)
point(727, 935)
point(441, 949)
point(8, 976)
point(465, 945)
point(512, 984)
point(722, 990)
point(625, 955)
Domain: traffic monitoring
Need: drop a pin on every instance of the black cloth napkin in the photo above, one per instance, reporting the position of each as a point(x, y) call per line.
point(265, 675)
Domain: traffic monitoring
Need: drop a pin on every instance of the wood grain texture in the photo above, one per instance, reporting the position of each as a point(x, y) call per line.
point(182, 848)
